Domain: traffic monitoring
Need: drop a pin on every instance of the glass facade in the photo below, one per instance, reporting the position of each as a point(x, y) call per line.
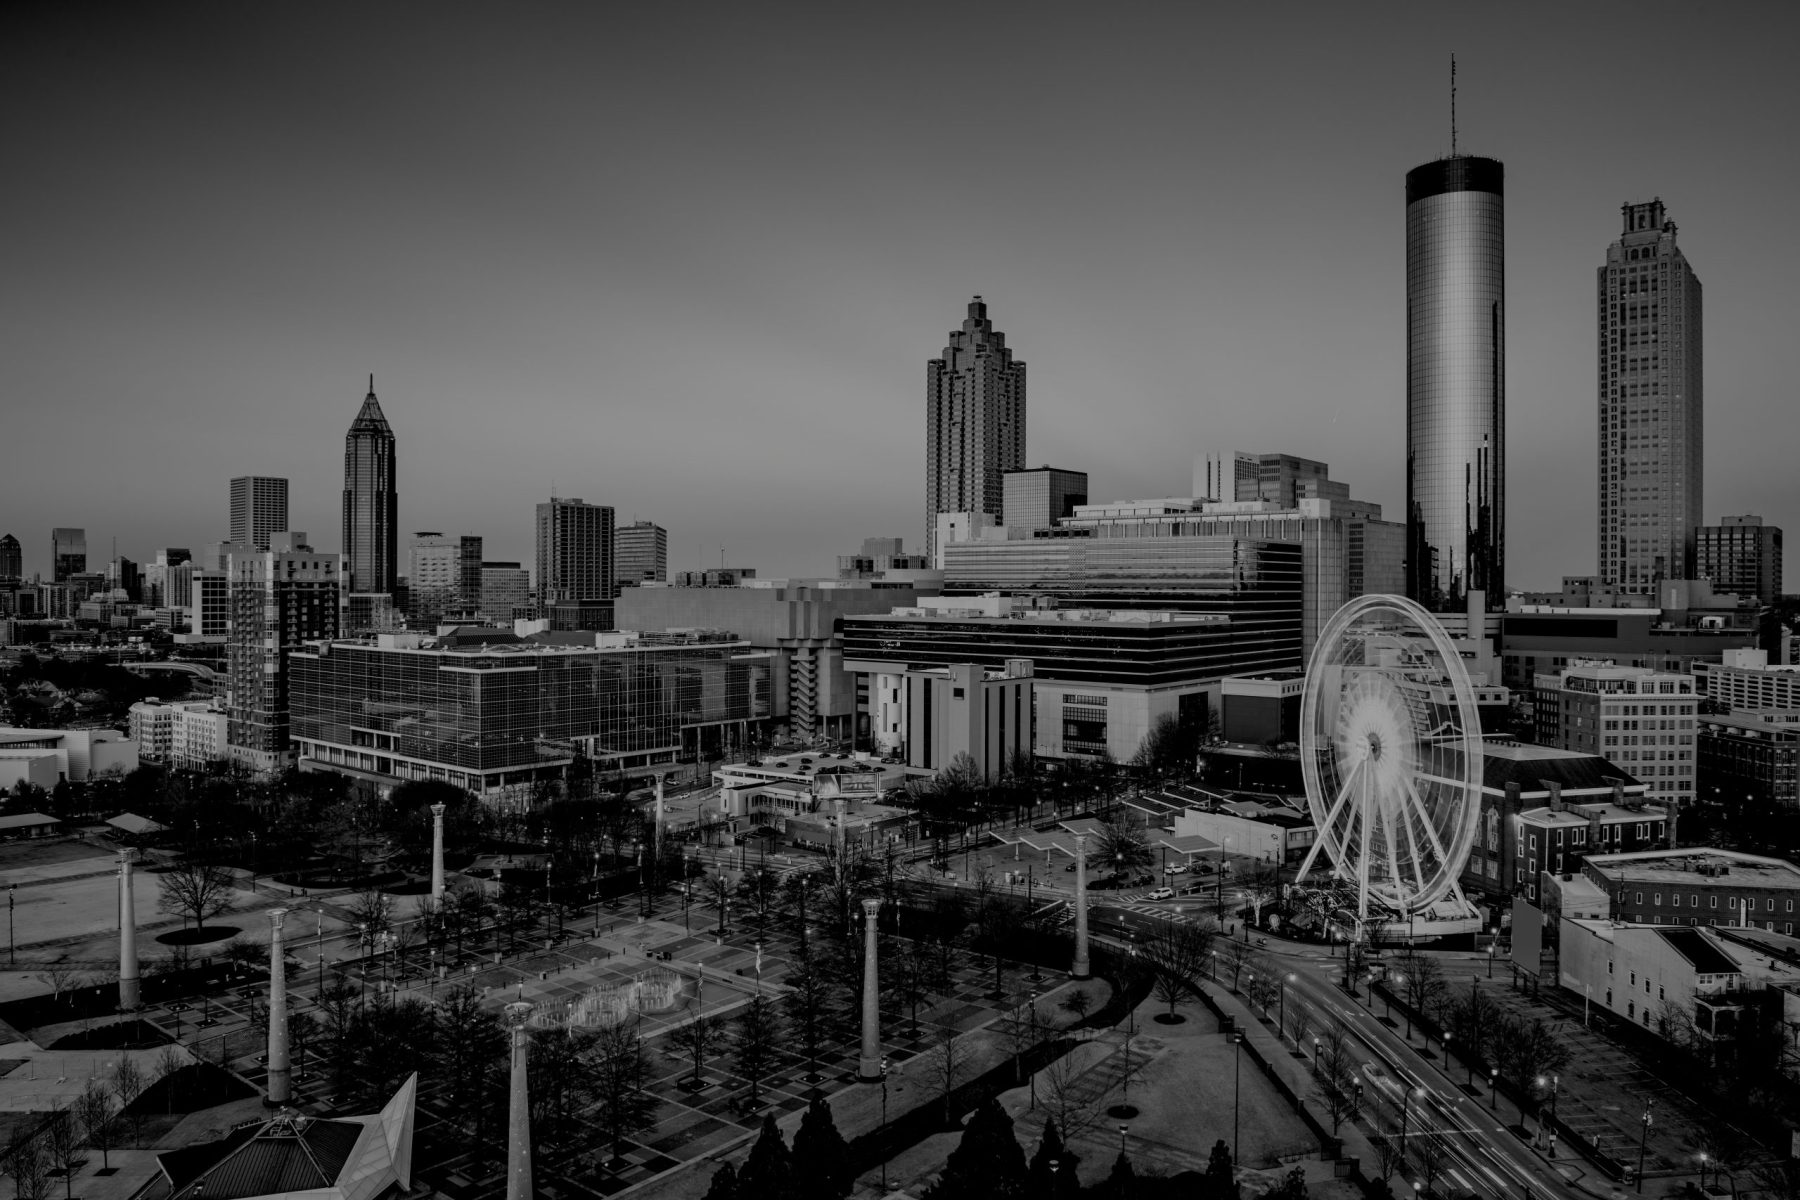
point(1455, 382)
point(488, 715)
point(1040, 497)
point(371, 505)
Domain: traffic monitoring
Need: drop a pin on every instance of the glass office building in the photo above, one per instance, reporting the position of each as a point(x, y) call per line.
point(1456, 382)
point(371, 503)
point(485, 715)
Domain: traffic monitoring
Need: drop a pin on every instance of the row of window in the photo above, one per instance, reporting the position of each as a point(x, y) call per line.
point(1694, 901)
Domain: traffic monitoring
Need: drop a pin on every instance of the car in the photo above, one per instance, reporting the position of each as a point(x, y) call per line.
point(1175, 869)
point(1161, 893)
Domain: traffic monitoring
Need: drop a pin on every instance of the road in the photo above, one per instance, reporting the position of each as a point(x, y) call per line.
point(1482, 1156)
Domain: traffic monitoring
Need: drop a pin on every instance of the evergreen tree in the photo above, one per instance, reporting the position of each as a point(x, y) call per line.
point(821, 1157)
point(724, 1184)
point(1043, 1163)
point(1291, 1187)
point(987, 1164)
point(1122, 1183)
point(769, 1170)
point(1220, 1178)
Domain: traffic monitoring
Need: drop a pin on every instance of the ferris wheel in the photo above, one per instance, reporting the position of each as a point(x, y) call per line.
point(1391, 751)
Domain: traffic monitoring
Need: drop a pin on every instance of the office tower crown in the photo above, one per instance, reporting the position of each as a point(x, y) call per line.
point(975, 420)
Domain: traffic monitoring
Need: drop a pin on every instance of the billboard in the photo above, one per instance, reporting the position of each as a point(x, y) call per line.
point(1527, 936)
point(851, 785)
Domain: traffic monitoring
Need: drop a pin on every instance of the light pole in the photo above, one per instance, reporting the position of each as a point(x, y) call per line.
point(1282, 984)
point(1315, 1062)
point(1493, 944)
point(1405, 1109)
point(11, 889)
point(1494, 1089)
point(1237, 1062)
point(1121, 1141)
point(884, 1071)
point(1703, 1170)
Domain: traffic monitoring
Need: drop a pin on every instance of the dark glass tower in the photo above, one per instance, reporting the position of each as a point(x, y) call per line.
point(1456, 382)
point(371, 505)
point(975, 421)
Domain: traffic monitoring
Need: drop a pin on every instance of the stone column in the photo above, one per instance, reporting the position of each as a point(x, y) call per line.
point(1079, 968)
point(128, 959)
point(437, 857)
point(518, 1113)
point(868, 1070)
point(659, 816)
point(280, 1087)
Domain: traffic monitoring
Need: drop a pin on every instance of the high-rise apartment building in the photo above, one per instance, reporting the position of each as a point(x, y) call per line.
point(259, 508)
point(444, 577)
point(1651, 411)
point(68, 553)
point(975, 421)
point(1739, 554)
point(1456, 382)
point(1039, 497)
point(640, 554)
point(1641, 721)
point(279, 598)
point(371, 503)
point(574, 551)
point(12, 559)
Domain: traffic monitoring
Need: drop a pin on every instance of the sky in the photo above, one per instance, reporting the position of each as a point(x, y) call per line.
point(691, 260)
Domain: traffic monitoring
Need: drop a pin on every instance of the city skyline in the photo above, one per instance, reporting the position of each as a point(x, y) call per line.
point(753, 312)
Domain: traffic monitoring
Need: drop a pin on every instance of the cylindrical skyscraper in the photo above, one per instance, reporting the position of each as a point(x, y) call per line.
point(1456, 382)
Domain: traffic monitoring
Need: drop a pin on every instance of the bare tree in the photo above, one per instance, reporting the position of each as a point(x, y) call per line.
point(1421, 982)
point(757, 1035)
point(62, 1142)
point(615, 1066)
point(1299, 1020)
point(1337, 1072)
point(28, 1163)
point(59, 976)
point(696, 1038)
point(195, 889)
point(371, 912)
point(1176, 952)
point(1390, 1154)
point(948, 1059)
point(1238, 954)
point(1430, 1153)
point(93, 1109)
point(127, 1086)
point(1066, 1098)
point(809, 1006)
point(1024, 1029)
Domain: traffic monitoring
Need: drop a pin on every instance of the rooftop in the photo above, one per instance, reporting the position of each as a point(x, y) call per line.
point(1532, 766)
point(1698, 868)
point(1692, 945)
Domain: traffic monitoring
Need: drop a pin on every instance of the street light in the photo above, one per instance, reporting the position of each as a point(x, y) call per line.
point(1703, 1170)
point(1121, 1141)
point(11, 888)
point(1237, 1062)
point(1405, 1108)
point(884, 1071)
point(1315, 1062)
point(1282, 984)
point(1493, 1088)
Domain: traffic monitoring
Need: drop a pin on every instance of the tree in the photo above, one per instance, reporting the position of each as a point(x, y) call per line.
point(822, 1169)
point(1474, 1020)
point(1337, 1072)
point(724, 1184)
point(1219, 1182)
point(769, 1169)
point(797, 892)
point(1121, 1182)
point(1068, 1103)
point(561, 1082)
point(1121, 848)
point(195, 889)
point(1238, 954)
point(1168, 749)
point(1421, 982)
point(1429, 1149)
point(948, 1058)
point(757, 1034)
point(59, 976)
point(1291, 1187)
point(906, 975)
point(809, 1006)
point(468, 1046)
point(28, 1163)
point(1040, 1175)
point(1525, 1049)
point(987, 1162)
point(127, 1086)
point(62, 1142)
point(615, 1065)
point(93, 1109)
point(695, 1039)
point(1390, 1154)
point(1177, 951)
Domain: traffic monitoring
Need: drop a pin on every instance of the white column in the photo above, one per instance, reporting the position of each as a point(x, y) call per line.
point(868, 1070)
point(1079, 968)
point(128, 959)
point(518, 1115)
point(280, 1087)
point(437, 857)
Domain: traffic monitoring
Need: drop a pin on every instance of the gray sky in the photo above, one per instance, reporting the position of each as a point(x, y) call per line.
point(690, 260)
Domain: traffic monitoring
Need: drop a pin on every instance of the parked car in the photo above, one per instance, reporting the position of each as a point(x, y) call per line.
point(1161, 893)
point(1175, 869)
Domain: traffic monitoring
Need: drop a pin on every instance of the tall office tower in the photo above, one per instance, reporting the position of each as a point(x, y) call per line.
point(640, 554)
point(505, 589)
point(12, 559)
point(68, 553)
point(278, 598)
point(1651, 407)
point(371, 506)
point(444, 577)
point(1038, 498)
point(259, 507)
point(1456, 382)
point(124, 575)
point(1739, 554)
point(975, 421)
point(574, 551)
point(1227, 478)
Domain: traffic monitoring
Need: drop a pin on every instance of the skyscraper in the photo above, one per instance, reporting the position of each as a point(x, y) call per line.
point(444, 577)
point(975, 421)
point(12, 559)
point(1456, 382)
point(259, 507)
point(371, 508)
point(68, 553)
point(574, 551)
point(640, 554)
point(1651, 414)
point(1739, 554)
point(278, 598)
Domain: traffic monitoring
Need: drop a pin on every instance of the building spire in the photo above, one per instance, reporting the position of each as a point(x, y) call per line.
point(371, 383)
point(1452, 132)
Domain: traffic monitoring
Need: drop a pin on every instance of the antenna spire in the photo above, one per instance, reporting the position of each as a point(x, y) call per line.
point(1453, 104)
point(371, 383)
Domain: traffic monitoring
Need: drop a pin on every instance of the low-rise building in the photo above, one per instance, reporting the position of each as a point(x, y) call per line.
point(1744, 680)
point(1698, 887)
point(1261, 828)
point(814, 802)
point(79, 754)
point(1752, 754)
point(1657, 976)
point(929, 716)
